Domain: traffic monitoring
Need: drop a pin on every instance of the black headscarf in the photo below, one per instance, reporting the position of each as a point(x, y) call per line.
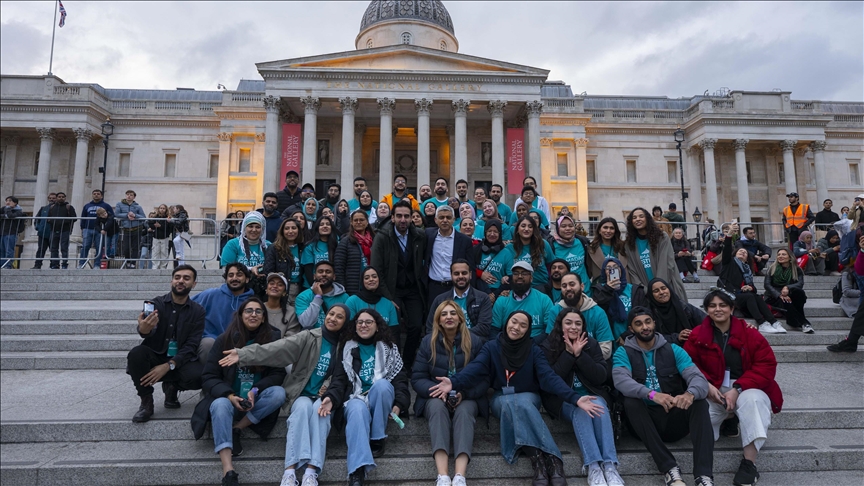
point(368, 207)
point(334, 337)
point(670, 316)
point(489, 247)
point(514, 354)
point(428, 221)
point(366, 295)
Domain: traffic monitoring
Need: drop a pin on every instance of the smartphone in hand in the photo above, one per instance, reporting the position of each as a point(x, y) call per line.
point(148, 308)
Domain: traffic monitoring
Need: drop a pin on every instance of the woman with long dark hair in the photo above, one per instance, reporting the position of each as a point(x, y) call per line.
point(578, 360)
point(280, 314)
point(675, 318)
point(354, 252)
point(528, 246)
point(784, 289)
point(607, 243)
point(283, 256)
point(180, 224)
point(417, 219)
point(650, 252)
point(248, 396)
point(322, 246)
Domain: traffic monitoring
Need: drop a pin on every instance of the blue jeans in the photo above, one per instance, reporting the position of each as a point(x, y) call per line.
point(594, 435)
point(7, 250)
point(223, 414)
point(92, 239)
point(365, 421)
point(111, 246)
point(306, 443)
point(522, 425)
point(145, 258)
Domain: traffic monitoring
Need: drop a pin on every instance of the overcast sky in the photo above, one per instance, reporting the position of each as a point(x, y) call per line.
point(814, 49)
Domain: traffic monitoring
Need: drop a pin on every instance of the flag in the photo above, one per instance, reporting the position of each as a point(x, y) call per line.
point(62, 15)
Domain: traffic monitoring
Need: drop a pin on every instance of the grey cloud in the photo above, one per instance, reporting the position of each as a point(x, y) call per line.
point(23, 49)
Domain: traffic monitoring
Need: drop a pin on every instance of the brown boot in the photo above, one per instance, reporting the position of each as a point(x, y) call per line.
point(555, 470)
point(538, 463)
point(145, 411)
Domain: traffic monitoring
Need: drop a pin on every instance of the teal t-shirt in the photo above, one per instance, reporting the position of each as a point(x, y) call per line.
point(618, 328)
point(541, 273)
point(367, 368)
point(480, 231)
point(575, 256)
point(578, 387)
point(384, 307)
point(494, 264)
point(314, 253)
point(596, 324)
point(232, 254)
point(354, 204)
point(313, 386)
point(462, 301)
point(608, 251)
point(244, 379)
point(556, 294)
point(644, 251)
point(296, 277)
point(436, 202)
point(536, 304)
point(305, 298)
point(504, 211)
point(682, 362)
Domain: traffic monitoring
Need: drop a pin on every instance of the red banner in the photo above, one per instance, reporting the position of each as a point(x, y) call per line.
point(290, 150)
point(515, 159)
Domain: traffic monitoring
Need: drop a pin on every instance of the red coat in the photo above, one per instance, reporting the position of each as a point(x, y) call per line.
point(757, 358)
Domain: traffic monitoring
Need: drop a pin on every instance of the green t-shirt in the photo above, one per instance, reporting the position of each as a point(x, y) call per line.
point(608, 251)
point(494, 263)
point(295, 274)
point(314, 253)
point(536, 304)
point(462, 303)
point(305, 298)
point(618, 328)
point(384, 307)
point(504, 211)
point(682, 362)
point(313, 386)
point(367, 368)
point(575, 256)
point(541, 273)
point(244, 379)
point(644, 250)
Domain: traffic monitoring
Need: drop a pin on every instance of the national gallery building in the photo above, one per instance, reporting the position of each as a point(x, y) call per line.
point(406, 100)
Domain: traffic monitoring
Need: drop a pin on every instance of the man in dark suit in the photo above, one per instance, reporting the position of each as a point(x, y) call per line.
point(444, 246)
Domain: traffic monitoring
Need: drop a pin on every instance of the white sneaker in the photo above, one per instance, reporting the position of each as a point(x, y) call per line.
point(289, 478)
point(459, 480)
point(807, 329)
point(595, 476)
point(767, 328)
point(612, 476)
point(443, 480)
point(778, 328)
point(673, 477)
point(310, 480)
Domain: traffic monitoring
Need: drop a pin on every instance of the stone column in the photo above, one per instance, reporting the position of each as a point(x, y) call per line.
point(349, 107)
point(40, 194)
point(310, 138)
point(385, 162)
point(272, 151)
point(818, 148)
point(222, 183)
point(534, 108)
point(741, 179)
point(82, 137)
point(788, 148)
point(711, 209)
point(581, 179)
point(496, 109)
point(460, 110)
point(10, 154)
point(423, 107)
point(691, 165)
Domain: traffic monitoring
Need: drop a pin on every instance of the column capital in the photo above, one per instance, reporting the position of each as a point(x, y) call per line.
point(545, 142)
point(818, 146)
point(83, 134)
point(311, 103)
point(10, 140)
point(708, 143)
point(581, 142)
point(740, 143)
point(423, 106)
point(788, 145)
point(386, 105)
point(496, 107)
point(460, 106)
point(534, 108)
point(271, 104)
point(46, 133)
point(261, 137)
point(349, 105)
point(224, 136)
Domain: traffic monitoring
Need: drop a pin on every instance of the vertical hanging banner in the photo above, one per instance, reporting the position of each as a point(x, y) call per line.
point(290, 150)
point(515, 159)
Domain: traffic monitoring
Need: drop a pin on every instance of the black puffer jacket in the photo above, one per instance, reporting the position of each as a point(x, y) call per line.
point(348, 264)
point(424, 372)
point(589, 367)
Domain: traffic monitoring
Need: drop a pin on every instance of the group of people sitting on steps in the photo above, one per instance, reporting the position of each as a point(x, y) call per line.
point(338, 329)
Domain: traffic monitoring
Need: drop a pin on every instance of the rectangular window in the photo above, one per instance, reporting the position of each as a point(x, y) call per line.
point(170, 165)
point(592, 171)
point(562, 165)
point(749, 176)
point(631, 171)
point(123, 168)
point(671, 171)
point(36, 164)
point(854, 174)
point(209, 226)
point(213, 168)
point(245, 160)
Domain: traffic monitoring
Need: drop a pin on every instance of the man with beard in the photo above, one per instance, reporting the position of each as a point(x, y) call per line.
point(495, 193)
point(290, 195)
point(797, 217)
point(539, 201)
point(359, 187)
point(596, 322)
point(169, 351)
point(441, 190)
point(400, 183)
point(537, 304)
point(664, 398)
point(462, 192)
point(220, 304)
point(425, 193)
point(334, 194)
point(475, 304)
point(271, 216)
point(557, 269)
point(312, 304)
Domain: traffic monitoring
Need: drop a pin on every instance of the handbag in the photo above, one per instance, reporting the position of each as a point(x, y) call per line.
point(802, 261)
point(707, 264)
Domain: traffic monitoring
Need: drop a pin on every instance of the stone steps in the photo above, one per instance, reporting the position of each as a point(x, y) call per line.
point(48, 327)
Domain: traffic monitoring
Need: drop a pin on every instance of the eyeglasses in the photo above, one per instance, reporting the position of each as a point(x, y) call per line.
point(366, 323)
point(249, 311)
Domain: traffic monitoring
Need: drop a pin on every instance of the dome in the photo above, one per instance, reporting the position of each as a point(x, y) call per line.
point(422, 10)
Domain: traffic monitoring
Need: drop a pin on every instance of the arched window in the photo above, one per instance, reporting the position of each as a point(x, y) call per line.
point(369, 44)
point(406, 37)
point(442, 46)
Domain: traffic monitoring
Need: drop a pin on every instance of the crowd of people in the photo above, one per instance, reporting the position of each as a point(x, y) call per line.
point(337, 314)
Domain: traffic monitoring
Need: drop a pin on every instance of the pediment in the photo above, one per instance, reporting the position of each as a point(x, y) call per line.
point(401, 58)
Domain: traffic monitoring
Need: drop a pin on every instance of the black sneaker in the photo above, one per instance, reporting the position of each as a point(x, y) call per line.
point(170, 391)
point(357, 477)
point(231, 479)
point(730, 428)
point(236, 445)
point(377, 447)
point(844, 346)
point(747, 474)
point(704, 481)
point(673, 477)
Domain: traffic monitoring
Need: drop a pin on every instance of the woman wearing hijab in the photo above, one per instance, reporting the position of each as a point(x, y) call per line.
point(429, 209)
point(249, 247)
point(521, 210)
point(571, 248)
point(342, 217)
point(490, 259)
point(830, 247)
point(283, 256)
point(617, 296)
point(309, 399)
point(815, 259)
point(322, 246)
point(369, 296)
point(366, 200)
point(784, 289)
point(674, 317)
point(382, 213)
point(354, 252)
point(466, 210)
point(489, 211)
point(518, 371)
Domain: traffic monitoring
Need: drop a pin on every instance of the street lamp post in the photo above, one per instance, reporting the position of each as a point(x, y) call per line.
point(697, 217)
point(679, 138)
point(107, 131)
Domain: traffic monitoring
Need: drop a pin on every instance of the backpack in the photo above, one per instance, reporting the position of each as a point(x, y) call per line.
point(837, 291)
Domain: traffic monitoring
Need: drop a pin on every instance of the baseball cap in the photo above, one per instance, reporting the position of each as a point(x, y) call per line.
point(271, 276)
point(523, 266)
point(292, 172)
point(860, 196)
point(792, 194)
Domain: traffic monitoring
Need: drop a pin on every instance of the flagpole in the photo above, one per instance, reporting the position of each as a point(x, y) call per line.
point(53, 31)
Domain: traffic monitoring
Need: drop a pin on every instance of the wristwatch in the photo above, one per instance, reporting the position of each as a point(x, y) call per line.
point(172, 365)
point(736, 386)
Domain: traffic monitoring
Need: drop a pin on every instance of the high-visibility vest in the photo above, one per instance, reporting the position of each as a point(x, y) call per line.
point(797, 218)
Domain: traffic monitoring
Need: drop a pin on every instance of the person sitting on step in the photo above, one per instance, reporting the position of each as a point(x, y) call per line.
point(784, 289)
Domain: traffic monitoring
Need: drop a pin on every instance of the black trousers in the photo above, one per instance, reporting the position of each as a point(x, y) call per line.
point(142, 359)
point(411, 304)
point(752, 304)
point(43, 245)
point(685, 264)
point(60, 246)
point(795, 309)
point(436, 289)
point(130, 244)
point(654, 426)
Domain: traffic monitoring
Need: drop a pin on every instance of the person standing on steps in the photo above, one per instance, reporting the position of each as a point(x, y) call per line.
point(290, 194)
point(10, 225)
point(650, 252)
point(850, 343)
point(43, 234)
point(169, 352)
point(797, 217)
point(132, 220)
point(400, 192)
point(61, 229)
point(269, 209)
point(89, 234)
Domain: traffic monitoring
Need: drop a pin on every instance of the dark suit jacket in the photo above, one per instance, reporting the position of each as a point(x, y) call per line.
point(462, 246)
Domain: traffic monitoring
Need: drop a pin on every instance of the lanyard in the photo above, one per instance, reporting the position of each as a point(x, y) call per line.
point(509, 374)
